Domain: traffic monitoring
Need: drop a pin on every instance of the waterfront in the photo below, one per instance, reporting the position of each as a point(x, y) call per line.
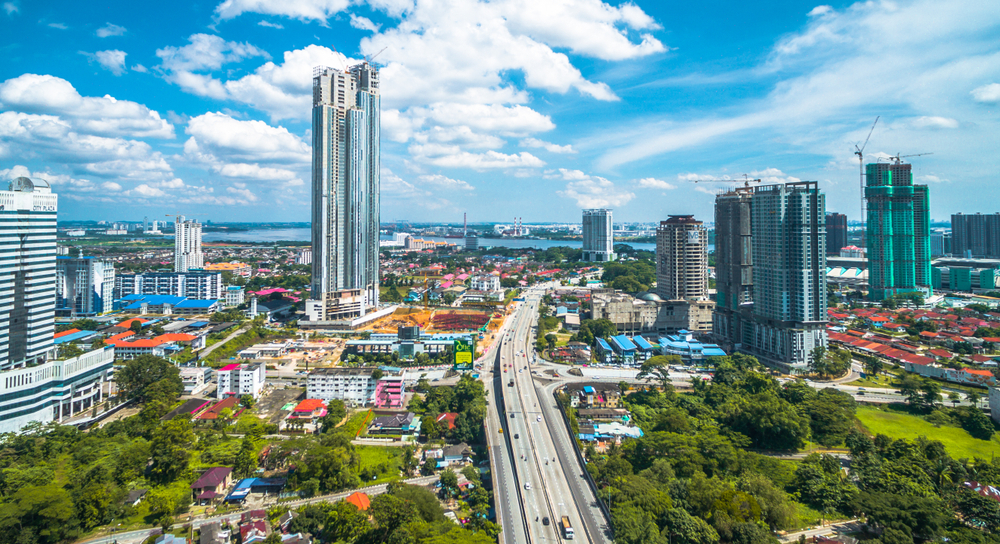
point(303, 235)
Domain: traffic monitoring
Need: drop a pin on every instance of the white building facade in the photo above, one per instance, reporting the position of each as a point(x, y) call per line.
point(488, 283)
point(84, 286)
point(354, 386)
point(345, 199)
point(238, 380)
point(27, 272)
point(235, 295)
point(187, 245)
point(197, 285)
point(598, 236)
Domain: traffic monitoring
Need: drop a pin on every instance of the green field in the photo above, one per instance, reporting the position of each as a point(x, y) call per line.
point(897, 424)
point(384, 460)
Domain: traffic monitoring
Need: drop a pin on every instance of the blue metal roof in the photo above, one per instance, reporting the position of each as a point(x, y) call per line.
point(188, 303)
point(603, 345)
point(711, 350)
point(588, 389)
point(74, 337)
point(198, 324)
point(642, 343)
point(623, 342)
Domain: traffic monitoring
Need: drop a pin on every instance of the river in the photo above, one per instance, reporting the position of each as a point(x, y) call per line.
point(303, 235)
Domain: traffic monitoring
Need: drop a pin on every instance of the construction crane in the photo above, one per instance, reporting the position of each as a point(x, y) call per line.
point(897, 157)
point(860, 152)
point(371, 58)
point(746, 180)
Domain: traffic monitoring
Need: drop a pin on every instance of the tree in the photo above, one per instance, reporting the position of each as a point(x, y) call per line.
point(135, 326)
point(921, 517)
point(658, 368)
point(245, 463)
point(974, 398)
point(931, 393)
point(136, 376)
point(247, 401)
point(817, 360)
point(978, 424)
point(343, 523)
point(377, 374)
point(910, 386)
point(170, 446)
point(273, 537)
point(409, 461)
point(449, 483)
point(873, 366)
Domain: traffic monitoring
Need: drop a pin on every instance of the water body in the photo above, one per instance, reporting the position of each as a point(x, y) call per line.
point(304, 235)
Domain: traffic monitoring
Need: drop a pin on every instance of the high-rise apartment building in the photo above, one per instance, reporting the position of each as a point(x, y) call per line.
point(598, 236)
point(34, 388)
point(187, 245)
point(84, 286)
point(27, 272)
point(733, 262)
point(975, 235)
point(836, 233)
point(682, 259)
point(197, 284)
point(898, 232)
point(345, 199)
point(788, 319)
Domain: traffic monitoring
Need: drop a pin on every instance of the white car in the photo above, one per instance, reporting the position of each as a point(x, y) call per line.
point(527, 485)
point(539, 418)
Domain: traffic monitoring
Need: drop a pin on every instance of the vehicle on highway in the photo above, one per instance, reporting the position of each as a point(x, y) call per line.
point(539, 418)
point(567, 529)
point(517, 436)
point(545, 521)
point(527, 485)
point(512, 415)
point(510, 383)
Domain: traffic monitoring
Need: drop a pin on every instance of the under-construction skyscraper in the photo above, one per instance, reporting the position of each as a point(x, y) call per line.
point(898, 232)
point(733, 262)
point(345, 199)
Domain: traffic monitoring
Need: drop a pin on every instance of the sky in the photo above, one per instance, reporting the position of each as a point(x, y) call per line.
point(500, 109)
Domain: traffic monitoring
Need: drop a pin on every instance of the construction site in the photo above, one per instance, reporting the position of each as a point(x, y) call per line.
point(435, 320)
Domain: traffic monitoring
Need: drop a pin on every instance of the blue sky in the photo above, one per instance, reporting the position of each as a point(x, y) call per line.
point(499, 109)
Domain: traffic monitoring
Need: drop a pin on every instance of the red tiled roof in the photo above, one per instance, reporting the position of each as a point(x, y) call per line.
point(66, 333)
point(928, 334)
point(128, 322)
point(212, 477)
point(449, 417)
point(310, 405)
point(360, 500)
point(978, 372)
point(981, 359)
point(941, 353)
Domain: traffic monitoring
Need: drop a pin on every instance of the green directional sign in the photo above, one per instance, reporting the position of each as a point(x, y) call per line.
point(464, 354)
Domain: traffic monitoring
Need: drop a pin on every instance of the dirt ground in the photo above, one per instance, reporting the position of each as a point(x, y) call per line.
point(416, 317)
point(269, 406)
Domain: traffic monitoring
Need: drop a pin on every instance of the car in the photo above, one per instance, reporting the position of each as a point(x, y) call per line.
point(517, 436)
point(545, 520)
point(512, 414)
point(527, 485)
point(539, 418)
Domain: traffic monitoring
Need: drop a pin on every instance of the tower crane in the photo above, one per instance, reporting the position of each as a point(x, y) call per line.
point(860, 152)
point(746, 180)
point(897, 157)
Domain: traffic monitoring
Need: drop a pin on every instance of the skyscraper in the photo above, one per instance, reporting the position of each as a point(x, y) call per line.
point(84, 286)
point(836, 233)
point(682, 259)
point(976, 235)
point(789, 274)
point(898, 231)
point(187, 245)
point(345, 199)
point(733, 262)
point(27, 272)
point(598, 236)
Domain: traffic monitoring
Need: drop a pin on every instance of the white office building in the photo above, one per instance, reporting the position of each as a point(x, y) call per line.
point(27, 272)
point(197, 285)
point(241, 379)
point(345, 199)
point(84, 286)
point(598, 236)
point(487, 282)
point(234, 295)
point(187, 245)
point(354, 386)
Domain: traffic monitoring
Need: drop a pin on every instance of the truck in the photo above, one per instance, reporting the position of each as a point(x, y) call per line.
point(567, 529)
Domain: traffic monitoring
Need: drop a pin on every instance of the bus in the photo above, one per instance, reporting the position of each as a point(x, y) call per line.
point(567, 529)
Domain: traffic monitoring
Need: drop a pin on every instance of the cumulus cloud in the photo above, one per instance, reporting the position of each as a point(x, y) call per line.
point(12, 7)
point(113, 60)
point(249, 150)
point(593, 191)
point(550, 147)
point(934, 122)
point(398, 190)
point(305, 10)
point(364, 23)
point(106, 116)
point(205, 52)
point(653, 183)
point(987, 94)
point(270, 24)
point(110, 29)
point(443, 182)
point(453, 157)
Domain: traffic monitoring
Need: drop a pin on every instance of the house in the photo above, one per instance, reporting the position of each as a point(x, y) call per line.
point(297, 538)
point(447, 420)
point(455, 455)
point(212, 484)
point(309, 409)
point(134, 497)
point(360, 500)
point(253, 531)
point(395, 424)
point(170, 539)
point(253, 515)
point(286, 519)
point(213, 533)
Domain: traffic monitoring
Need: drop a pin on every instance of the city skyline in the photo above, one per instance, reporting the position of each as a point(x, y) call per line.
point(203, 106)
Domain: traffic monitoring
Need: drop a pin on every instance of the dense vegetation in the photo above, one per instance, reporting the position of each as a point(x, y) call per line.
point(692, 478)
point(467, 399)
point(629, 276)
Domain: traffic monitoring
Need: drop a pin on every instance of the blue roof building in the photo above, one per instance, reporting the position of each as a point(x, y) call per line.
point(690, 350)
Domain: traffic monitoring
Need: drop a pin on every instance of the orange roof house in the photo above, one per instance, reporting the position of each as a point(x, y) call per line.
point(128, 322)
point(359, 500)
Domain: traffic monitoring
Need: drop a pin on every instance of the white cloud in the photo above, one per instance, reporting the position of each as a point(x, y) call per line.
point(819, 11)
point(105, 116)
point(58, 26)
point(139, 68)
point(653, 183)
point(987, 94)
point(453, 157)
point(364, 23)
point(12, 7)
point(270, 25)
point(593, 191)
point(110, 30)
point(442, 182)
point(113, 60)
point(550, 147)
point(241, 191)
point(205, 53)
point(147, 191)
point(931, 178)
point(934, 122)
point(304, 10)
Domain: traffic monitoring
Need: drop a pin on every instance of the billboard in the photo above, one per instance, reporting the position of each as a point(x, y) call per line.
point(464, 351)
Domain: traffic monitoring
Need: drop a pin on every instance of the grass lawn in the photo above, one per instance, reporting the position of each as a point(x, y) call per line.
point(377, 457)
point(403, 291)
point(355, 423)
point(898, 424)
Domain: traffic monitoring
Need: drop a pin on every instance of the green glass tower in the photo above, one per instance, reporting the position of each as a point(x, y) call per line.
point(898, 232)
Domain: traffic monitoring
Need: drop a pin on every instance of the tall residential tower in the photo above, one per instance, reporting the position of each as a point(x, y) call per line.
point(974, 236)
point(733, 263)
point(682, 259)
point(898, 232)
point(345, 198)
point(187, 245)
point(598, 236)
